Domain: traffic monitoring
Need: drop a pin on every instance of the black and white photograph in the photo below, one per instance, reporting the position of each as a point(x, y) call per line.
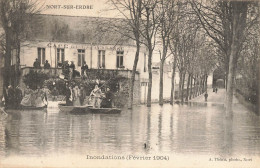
point(129, 83)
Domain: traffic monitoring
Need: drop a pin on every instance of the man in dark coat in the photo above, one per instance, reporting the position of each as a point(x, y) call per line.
point(206, 96)
point(37, 64)
point(82, 95)
point(11, 96)
point(67, 94)
point(18, 96)
point(47, 65)
point(72, 67)
point(84, 68)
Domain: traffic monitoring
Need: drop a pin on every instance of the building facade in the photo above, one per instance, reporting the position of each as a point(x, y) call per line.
point(57, 39)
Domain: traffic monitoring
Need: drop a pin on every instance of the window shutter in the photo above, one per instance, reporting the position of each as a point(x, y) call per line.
point(79, 58)
point(83, 56)
point(39, 54)
point(122, 61)
point(58, 55)
point(43, 55)
point(117, 61)
point(104, 60)
point(62, 56)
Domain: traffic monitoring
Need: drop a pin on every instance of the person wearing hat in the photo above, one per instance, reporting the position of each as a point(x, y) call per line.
point(72, 71)
point(84, 69)
point(47, 65)
point(68, 95)
point(37, 64)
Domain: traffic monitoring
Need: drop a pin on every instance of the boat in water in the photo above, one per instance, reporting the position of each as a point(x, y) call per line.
point(32, 107)
point(104, 110)
point(74, 109)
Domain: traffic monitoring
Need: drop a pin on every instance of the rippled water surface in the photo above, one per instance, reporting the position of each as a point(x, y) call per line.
point(195, 128)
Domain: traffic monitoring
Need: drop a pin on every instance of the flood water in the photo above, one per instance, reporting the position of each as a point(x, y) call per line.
point(187, 129)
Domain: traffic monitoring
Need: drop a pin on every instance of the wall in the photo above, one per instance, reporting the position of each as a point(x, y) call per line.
point(29, 54)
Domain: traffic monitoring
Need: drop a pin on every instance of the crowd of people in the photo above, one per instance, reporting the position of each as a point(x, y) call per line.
point(68, 70)
point(15, 98)
point(76, 96)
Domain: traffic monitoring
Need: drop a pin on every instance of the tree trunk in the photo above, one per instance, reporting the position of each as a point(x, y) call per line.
point(149, 94)
point(203, 84)
point(206, 83)
point(7, 58)
point(173, 83)
point(195, 87)
point(180, 82)
point(161, 82)
point(230, 83)
point(199, 83)
point(191, 89)
point(182, 87)
point(239, 21)
point(17, 66)
point(131, 94)
point(188, 85)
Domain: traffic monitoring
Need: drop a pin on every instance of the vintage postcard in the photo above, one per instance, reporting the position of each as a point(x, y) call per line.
point(129, 83)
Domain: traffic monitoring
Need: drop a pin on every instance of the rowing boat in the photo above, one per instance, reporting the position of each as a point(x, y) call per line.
point(72, 109)
point(32, 107)
point(104, 110)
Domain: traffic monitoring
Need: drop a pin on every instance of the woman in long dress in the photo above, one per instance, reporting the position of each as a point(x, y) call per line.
point(39, 97)
point(27, 99)
point(96, 93)
point(76, 98)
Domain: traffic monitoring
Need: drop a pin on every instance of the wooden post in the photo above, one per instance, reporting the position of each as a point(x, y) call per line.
point(1, 76)
point(258, 88)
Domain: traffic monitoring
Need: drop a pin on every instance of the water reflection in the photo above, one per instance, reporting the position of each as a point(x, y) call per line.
point(190, 128)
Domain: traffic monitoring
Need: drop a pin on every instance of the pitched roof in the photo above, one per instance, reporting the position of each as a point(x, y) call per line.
point(76, 29)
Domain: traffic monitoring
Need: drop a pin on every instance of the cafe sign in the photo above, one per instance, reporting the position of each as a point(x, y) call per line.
point(80, 46)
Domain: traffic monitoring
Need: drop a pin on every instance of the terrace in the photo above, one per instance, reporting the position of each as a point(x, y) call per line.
point(55, 72)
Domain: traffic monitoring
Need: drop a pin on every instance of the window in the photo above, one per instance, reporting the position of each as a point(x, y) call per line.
point(81, 57)
point(144, 62)
point(41, 55)
point(60, 55)
point(101, 59)
point(119, 59)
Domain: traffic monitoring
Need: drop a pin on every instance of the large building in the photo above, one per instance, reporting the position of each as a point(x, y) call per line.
point(70, 38)
point(78, 39)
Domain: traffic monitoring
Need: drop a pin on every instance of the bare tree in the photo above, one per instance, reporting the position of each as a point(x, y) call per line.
point(132, 12)
point(14, 16)
point(226, 22)
point(167, 21)
point(149, 27)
